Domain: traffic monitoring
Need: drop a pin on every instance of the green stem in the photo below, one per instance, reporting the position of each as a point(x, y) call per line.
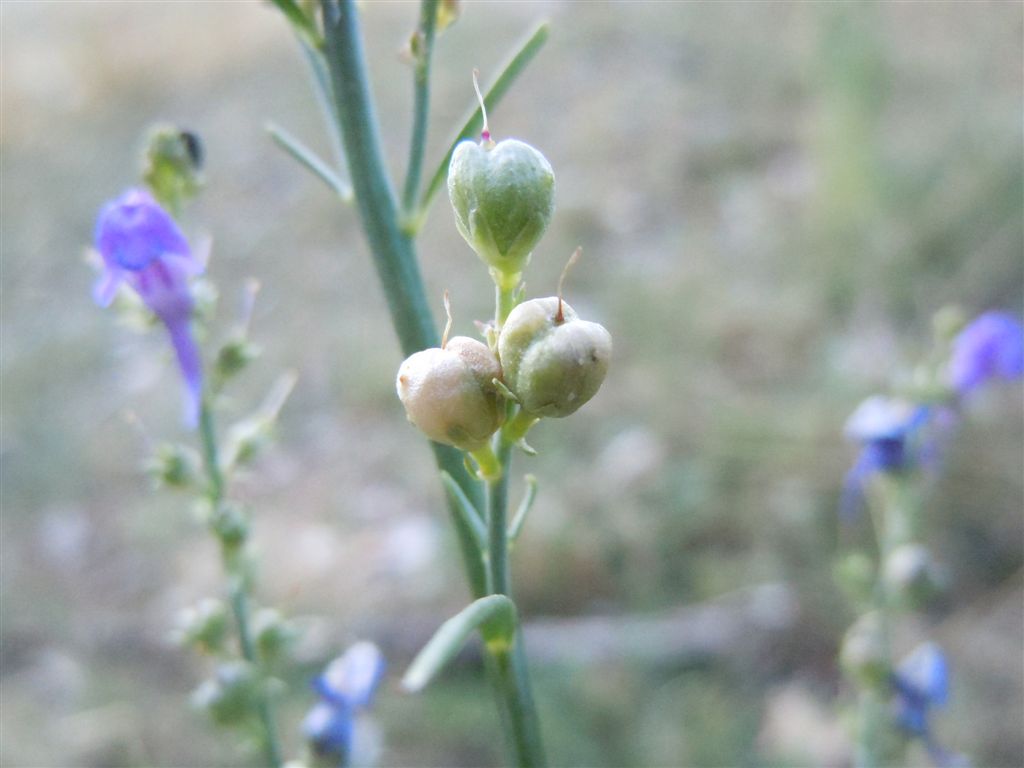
point(395, 259)
point(237, 583)
point(497, 523)
point(877, 743)
point(211, 458)
point(421, 108)
point(519, 712)
point(393, 253)
point(509, 668)
point(505, 286)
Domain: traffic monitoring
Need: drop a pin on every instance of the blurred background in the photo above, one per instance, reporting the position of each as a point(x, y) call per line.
point(773, 200)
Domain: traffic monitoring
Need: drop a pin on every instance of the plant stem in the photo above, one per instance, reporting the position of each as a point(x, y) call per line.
point(211, 457)
point(505, 286)
point(395, 260)
point(237, 582)
point(421, 108)
point(392, 249)
point(875, 738)
point(509, 666)
point(520, 714)
point(497, 523)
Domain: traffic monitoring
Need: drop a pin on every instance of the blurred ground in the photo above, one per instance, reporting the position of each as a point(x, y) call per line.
point(773, 199)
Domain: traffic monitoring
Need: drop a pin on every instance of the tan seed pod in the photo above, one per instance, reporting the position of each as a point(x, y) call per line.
point(448, 393)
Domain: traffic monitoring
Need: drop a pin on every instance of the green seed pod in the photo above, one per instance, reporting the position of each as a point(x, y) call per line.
point(449, 394)
point(503, 195)
point(553, 361)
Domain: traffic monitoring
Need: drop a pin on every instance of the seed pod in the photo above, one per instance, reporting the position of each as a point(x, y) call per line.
point(553, 361)
point(449, 394)
point(503, 195)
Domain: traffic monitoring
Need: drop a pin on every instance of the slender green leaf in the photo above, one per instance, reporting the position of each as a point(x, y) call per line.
point(423, 50)
point(303, 25)
point(509, 73)
point(309, 160)
point(524, 508)
point(494, 616)
point(466, 510)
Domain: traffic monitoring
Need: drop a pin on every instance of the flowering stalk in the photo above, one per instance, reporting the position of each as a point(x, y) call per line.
point(902, 441)
point(395, 258)
point(238, 580)
point(141, 246)
point(392, 249)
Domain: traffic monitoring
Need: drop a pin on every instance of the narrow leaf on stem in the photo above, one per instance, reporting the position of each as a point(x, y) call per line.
point(469, 514)
point(310, 161)
point(494, 616)
point(303, 25)
point(524, 508)
point(509, 73)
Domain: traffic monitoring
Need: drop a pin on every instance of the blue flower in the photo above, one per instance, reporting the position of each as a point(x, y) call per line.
point(885, 428)
point(346, 687)
point(989, 347)
point(142, 246)
point(920, 684)
point(921, 681)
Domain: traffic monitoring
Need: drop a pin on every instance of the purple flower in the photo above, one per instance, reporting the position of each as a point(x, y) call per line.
point(990, 347)
point(920, 683)
point(346, 687)
point(885, 428)
point(143, 247)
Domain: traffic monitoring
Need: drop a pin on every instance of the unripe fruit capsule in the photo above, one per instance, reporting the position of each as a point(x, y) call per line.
point(503, 195)
point(449, 394)
point(553, 361)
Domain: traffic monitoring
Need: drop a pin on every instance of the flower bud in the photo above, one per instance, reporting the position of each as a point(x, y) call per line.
point(448, 393)
point(272, 634)
point(503, 195)
point(553, 361)
point(173, 160)
point(912, 575)
point(230, 524)
point(234, 356)
point(174, 466)
point(204, 626)
point(863, 653)
point(230, 695)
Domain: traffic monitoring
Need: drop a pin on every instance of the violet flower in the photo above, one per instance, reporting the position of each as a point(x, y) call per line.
point(886, 429)
point(920, 684)
point(346, 687)
point(142, 246)
point(990, 347)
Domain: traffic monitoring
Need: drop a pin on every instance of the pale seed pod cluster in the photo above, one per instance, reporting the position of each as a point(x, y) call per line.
point(545, 355)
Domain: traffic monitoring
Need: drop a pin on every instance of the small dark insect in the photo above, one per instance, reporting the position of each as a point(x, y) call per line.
point(194, 147)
